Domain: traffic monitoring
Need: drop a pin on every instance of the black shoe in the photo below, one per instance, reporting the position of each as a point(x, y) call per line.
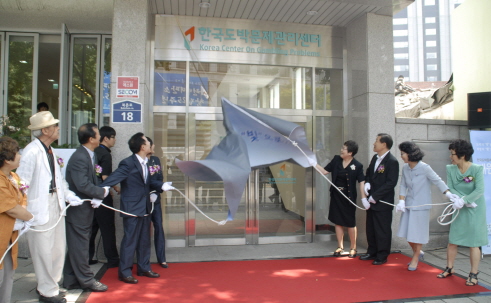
point(62, 292)
point(128, 279)
point(164, 265)
point(379, 262)
point(97, 287)
point(366, 257)
point(149, 274)
point(92, 262)
point(54, 299)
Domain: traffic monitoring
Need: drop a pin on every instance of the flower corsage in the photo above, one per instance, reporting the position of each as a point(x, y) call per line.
point(154, 169)
point(98, 170)
point(381, 169)
point(353, 167)
point(22, 186)
point(60, 161)
point(468, 179)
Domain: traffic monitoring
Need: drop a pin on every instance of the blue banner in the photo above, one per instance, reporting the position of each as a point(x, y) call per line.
point(170, 89)
point(481, 142)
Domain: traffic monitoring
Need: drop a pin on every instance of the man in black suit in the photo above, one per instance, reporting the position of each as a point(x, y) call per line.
point(134, 175)
point(82, 180)
point(104, 217)
point(380, 181)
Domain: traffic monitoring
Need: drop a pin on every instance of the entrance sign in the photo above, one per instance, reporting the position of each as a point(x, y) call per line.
point(127, 112)
point(128, 87)
point(481, 142)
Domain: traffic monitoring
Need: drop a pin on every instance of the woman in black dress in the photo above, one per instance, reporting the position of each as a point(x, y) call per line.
point(345, 170)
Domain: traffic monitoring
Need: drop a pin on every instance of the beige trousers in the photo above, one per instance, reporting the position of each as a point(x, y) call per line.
point(48, 250)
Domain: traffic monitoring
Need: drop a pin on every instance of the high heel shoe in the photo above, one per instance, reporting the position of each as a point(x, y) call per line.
point(421, 256)
point(338, 252)
point(412, 268)
point(472, 276)
point(446, 273)
point(352, 253)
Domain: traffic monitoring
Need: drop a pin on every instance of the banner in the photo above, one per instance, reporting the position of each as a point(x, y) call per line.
point(481, 141)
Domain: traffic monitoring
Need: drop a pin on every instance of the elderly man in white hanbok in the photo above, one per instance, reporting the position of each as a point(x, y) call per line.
point(415, 190)
point(47, 193)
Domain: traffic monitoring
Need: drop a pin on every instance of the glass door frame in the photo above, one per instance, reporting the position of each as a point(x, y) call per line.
point(3, 42)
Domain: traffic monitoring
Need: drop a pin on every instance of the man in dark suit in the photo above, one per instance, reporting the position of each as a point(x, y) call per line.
point(82, 180)
point(104, 217)
point(134, 175)
point(380, 181)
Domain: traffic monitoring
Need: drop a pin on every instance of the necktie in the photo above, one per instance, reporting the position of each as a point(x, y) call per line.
point(145, 171)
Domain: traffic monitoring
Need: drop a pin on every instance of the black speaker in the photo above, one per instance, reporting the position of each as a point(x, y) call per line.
point(479, 110)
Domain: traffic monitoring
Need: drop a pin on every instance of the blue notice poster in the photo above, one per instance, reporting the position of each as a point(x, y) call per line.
point(106, 94)
point(170, 90)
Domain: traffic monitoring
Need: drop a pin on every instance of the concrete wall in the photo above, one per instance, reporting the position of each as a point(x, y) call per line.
point(471, 29)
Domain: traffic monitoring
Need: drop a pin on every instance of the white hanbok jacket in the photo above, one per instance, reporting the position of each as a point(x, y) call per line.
point(34, 170)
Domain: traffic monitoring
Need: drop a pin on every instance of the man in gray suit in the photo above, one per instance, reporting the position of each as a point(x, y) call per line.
point(81, 176)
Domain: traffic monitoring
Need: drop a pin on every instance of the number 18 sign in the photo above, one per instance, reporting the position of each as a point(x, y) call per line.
point(127, 112)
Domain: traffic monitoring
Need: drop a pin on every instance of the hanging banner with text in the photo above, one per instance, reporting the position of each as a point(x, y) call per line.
point(481, 142)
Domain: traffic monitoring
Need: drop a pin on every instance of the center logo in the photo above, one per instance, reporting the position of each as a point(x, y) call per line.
point(190, 33)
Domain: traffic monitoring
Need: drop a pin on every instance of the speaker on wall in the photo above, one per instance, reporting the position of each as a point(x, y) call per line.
point(479, 110)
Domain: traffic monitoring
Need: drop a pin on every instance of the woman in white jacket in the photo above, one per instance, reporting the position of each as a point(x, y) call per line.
point(415, 190)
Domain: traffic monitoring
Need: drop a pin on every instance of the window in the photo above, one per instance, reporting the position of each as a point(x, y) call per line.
point(401, 68)
point(401, 56)
point(430, 20)
point(400, 33)
point(430, 31)
point(401, 44)
point(431, 78)
point(431, 67)
point(431, 56)
point(430, 43)
point(399, 21)
point(429, 2)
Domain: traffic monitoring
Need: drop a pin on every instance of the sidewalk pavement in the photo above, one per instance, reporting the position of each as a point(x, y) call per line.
point(24, 290)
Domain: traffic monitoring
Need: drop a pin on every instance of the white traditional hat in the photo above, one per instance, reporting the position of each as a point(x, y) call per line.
point(41, 120)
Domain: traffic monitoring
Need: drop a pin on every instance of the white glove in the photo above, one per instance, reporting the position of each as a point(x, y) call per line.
point(458, 203)
point(153, 197)
point(312, 162)
point(74, 200)
point(401, 206)
point(365, 203)
point(370, 199)
point(367, 188)
point(106, 191)
point(96, 203)
point(167, 186)
point(27, 225)
point(18, 224)
point(451, 196)
point(471, 205)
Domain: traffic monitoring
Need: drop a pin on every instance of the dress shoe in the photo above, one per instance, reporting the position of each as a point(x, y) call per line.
point(149, 274)
point(366, 257)
point(97, 287)
point(129, 280)
point(92, 262)
point(54, 299)
point(164, 265)
point(379, 262)
point(62, 292)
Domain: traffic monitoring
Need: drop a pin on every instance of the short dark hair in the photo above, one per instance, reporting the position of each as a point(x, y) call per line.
point(135, 142)
point(8, 149)
point(414, 153)
point(387, 139)
point(150, 140)
point(352, 147)
point(85, 132)
point(41, 105)
point(107, 131)
point(462, 148)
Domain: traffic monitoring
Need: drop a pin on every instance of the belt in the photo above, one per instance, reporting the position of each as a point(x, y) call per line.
point(53, 190)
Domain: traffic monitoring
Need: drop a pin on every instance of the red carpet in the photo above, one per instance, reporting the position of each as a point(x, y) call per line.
point(291, 280)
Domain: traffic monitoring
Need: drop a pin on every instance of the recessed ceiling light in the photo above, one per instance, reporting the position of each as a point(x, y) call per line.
point(311, 13)
point(204, 4)
point(23, 61)
point(51, 80)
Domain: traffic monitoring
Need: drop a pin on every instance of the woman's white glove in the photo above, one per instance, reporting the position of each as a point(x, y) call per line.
point(96, 203)
point(153, 197)
point(458, 203)
point(18, 224)
point(471, 205)
point(74, 200)
point(365, 203)
point(367, 188)
point(26, 227)
point(167, 186)
point(401, 206)
point(451, 196)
